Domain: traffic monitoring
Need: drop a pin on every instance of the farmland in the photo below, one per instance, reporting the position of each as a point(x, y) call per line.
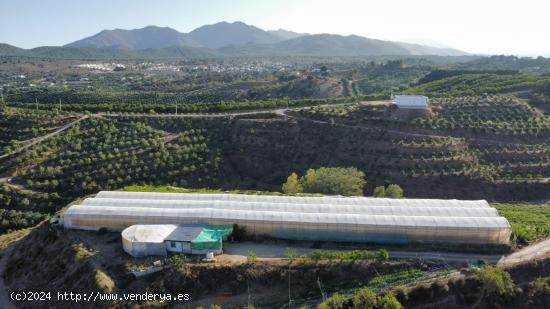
point(478, 84)
point(476, 141)
point(529, 222)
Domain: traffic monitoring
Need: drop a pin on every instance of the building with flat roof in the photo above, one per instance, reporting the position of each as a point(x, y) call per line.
point(411, 101)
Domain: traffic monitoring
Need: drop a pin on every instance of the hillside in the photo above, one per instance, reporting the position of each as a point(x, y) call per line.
point(417, 49)
point(47, 259)
point(148, 37)
point(237, 33)
point(55, 52)
point(323, 45)
point(286, 35)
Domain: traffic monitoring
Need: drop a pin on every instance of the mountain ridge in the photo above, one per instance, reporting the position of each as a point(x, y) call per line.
point(231, 36)
point(223, 39)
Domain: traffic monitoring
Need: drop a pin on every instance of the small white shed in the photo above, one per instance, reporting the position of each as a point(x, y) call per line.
point(411, 101)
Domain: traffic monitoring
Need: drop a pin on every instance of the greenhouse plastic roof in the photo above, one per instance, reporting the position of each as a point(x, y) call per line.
point(109, 212)
point(370, 209)
point(155, 208)
point(333, 200)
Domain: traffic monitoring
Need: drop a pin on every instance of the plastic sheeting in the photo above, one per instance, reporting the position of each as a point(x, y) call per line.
point(210, 238)
point(332, 200)
point(303, 208)
point(302, 218)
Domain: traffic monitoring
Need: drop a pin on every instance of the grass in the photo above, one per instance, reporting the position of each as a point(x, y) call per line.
point(354, 255)
point(170, 189)
point(104, 282)
point(81, 253)
point(8, 238)
point(530, 222)
point(395, 277)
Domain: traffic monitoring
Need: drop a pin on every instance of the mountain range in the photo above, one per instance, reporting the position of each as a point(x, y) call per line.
point(222, 40)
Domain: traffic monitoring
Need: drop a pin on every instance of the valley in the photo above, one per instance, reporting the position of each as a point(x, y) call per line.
point(347, 172)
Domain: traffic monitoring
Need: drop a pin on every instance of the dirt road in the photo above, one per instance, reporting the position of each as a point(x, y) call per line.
point(238, 251)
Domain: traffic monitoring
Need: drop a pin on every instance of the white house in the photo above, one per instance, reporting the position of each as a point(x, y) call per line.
point(411, 101)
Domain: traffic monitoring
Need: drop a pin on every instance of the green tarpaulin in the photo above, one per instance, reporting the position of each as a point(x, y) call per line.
point(210, 238)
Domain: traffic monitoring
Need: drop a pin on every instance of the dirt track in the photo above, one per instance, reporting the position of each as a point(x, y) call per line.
point(237, 252)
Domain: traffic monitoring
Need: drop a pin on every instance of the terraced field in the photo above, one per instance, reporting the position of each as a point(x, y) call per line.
point(494, 138)
point(498, 115)
point(104, 154)
point(16, 128)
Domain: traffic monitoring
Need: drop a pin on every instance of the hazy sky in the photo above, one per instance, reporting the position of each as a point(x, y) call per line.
point(476, 26)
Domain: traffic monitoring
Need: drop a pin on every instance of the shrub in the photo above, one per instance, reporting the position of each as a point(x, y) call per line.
point(291, 253)
point(81, 254)
point(496, 282)
point(389, 302)
point(292, 185)
point(379, 191)
point(251, 257)
point(364, 299)
point(542, 284)
point(178, 260)
point(383, 255)
point(522, 233)
point(336, 301)
point(394, 191)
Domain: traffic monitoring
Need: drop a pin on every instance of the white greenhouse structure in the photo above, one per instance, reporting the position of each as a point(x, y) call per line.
point(411, 101)
point(327, 218)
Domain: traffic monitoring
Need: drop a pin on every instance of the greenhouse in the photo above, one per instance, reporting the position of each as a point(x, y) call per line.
point(333, 200)
point(344, 219)
point(159, 239)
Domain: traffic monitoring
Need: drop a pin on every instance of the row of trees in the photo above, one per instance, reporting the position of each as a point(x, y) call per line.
point(327, 180)
point(105, 154)
point(152, 106)
point(477, 84)
point(502, 115)
point(336, 181)
point(14, 220)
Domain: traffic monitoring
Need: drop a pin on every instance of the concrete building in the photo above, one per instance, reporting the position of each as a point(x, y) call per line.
point(411, 101)
point(327, 218)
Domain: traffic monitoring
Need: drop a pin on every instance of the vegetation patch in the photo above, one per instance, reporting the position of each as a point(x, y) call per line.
point(170, 189)
point(530, 222)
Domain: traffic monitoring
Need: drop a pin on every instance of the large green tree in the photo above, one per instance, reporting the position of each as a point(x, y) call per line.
point(334, 180)
point(292, 185)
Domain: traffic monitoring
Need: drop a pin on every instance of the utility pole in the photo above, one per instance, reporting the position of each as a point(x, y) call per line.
point(59, 105)
point(36, 103)
point(176, 108)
